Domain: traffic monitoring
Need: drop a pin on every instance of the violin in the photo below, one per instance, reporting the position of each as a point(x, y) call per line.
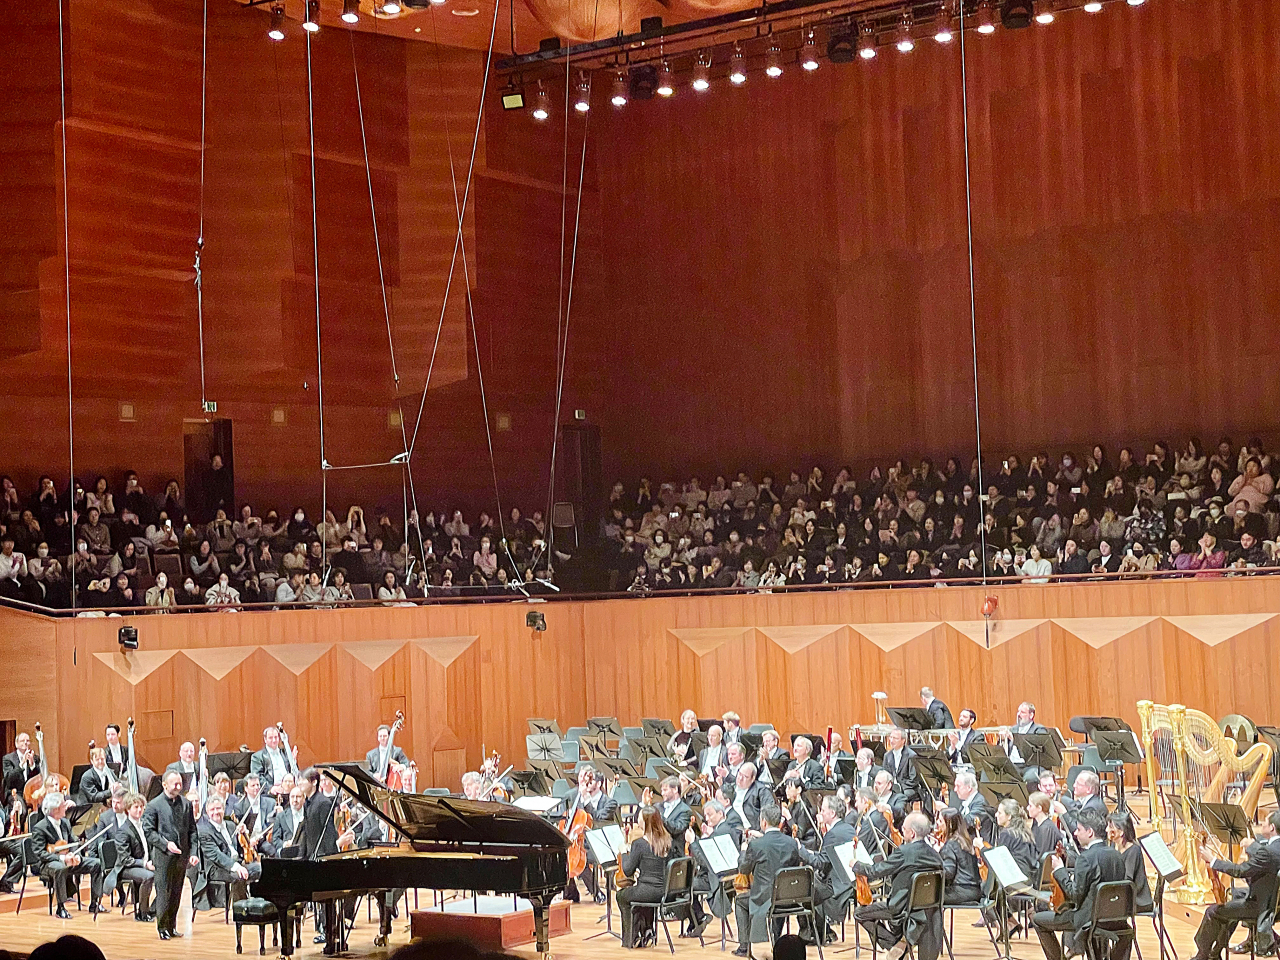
point(863, 891)
point(978, 846)
point(1057, 896)
point(620, 879)
point(895, 835)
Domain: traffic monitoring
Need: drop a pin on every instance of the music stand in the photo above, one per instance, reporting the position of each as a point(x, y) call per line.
point(77, 774)
point(993, 791)
point(1038, 750)
point(996, 768)
point(1092, 725)
point(778, 768)
point(981, 749)
point(706, 725)
point(606, 726)
point(617, 769)
point(751, 744)
point(537, 727)
point(529, 783)
point(1227, 822)
point(846, 770)
point(638, 786)
point(1168, 869)
point(234, 765)
point(877, 748)
point(549, 769)
point(933, 773)
point(593, 746)
point(1121, 746)
point(646, 747)
point(657, 727)
point(697, 743)
point(544, 746)
point(910, 718)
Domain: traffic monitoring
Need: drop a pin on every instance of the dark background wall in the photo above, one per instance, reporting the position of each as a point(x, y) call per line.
point(766, 276)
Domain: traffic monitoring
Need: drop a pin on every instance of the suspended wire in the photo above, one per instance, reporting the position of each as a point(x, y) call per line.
point(66, 280)
point(461, 208)
point(315, 263)
point(973, 302)
point(204, 98)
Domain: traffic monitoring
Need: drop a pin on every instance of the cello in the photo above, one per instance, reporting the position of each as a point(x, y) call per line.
point(575, 825)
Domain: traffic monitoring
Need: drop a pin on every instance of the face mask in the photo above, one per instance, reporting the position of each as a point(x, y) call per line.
point(42, 552)
point(1066, 462)
point(298, 517)
point(1214, 512)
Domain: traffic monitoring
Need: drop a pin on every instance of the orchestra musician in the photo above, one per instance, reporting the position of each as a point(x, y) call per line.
point(370, 832)
point(970, 803)
point(676, 814)
point(319, 838)
point(602, 809)
point(939, 713)
point(221, 851)
point(1122, 835)
point(1026, 723)
point(965, 734)
point(1014, 833)
point(644, 859)
point(21, 765)
point(288, 821)
point(272, 764)
point(749, 795)
point(719, 821)
point(253, 801)
point(1084, 796)
point(1259, 895)
point(117, 752)
point(766, 854)
point(678, 743)
point(735, 757)
point(714, 754)
point(880, 918)
point(769, 750)
point(95, 784)
point(171, 834)
point(376, 759)
point(869, 821)
point(836, 752)
point(11, 849)
point(888, 797)
point(1049, 787)
point(797, 819)
point(732, 727)
point(1096, 864)
point(472, 785)
point(831, 888)
point(61, 869)
point(899, 760)
point(1044, 831)
point(133, 858)
point(865, 768)
point(960, 866)
point(186, 762)
point(804, 768)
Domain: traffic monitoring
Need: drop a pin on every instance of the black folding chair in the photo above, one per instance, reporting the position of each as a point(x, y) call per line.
point(1251, 925)
point(793, 897)
point(982, 906)
point(677, 894)
point(925, 894)
point(1112, 920)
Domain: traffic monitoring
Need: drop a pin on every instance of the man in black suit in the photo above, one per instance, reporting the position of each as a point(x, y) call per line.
point(888, 795)
point(676, 814)
point(96, 782)
point(1259, 871)
point(832, 888)
point(765, 855)
point(378, 759)
point(770, 750)
point(970, 803)
point(62, 869)
point(965, 736)
point(865, 769)
point(1096, 864)
point(899, 760)
point(319, 838)
point(720, 822)
point(11, 850)
point(117, 752)
point(1026, 723)
point(749, 795)
point(21, 765)
point(883, 919)
point(1084, 796)
point(938, 711)
point(133, 858)
point(171, 835)
point(253, 801)
point(287, 825)
point(220, 851)
point(272, 762)
point(870, 825)
point(806, 769)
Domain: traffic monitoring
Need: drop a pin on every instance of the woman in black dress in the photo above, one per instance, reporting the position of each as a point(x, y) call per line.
point(1122, 836)
point(645, 861)
point(959, 861)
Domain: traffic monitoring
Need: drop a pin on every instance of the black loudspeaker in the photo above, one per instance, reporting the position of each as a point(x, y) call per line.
point(579, 480)
point(128, 638)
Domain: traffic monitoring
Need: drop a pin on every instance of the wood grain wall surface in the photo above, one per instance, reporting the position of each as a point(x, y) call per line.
point(469, 675)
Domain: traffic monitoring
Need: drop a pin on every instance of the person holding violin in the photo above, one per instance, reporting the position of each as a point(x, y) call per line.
point(678, 742)
point(803, 768)
point(676, 814)
point(880, 918)
point(133, 858)
point(1044, 831)
point(1259, 871)
point(831, 890)
point(644, 860)
point(959, 858)
point(1015, 834)
point(797, 819)
point(21, 765)
point(220, 851)
point(1096, 864)
point(56, 856)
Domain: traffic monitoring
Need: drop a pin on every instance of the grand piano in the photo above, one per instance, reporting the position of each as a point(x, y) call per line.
point(445, 843)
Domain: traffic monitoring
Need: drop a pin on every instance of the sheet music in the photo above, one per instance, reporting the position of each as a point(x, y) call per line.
point(1008, 874)
point(604, 854)
point(537, 804)
point(846, 856)
point(1162, 857)
point(721, 853)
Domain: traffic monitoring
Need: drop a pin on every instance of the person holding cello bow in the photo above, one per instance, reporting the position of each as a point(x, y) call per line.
point(964, 736)
point(171, 836)
point(21, 765)
point(880, 918)
point(766, 853)
point(1259, 871)
point(59, 858)
point(1096, 864)
point(272, 762)
point(601, 808)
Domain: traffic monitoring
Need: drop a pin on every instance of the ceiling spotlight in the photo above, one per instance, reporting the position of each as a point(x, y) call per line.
point(942, 29)
point(350, 11)
point(513, 96)
point(809, 53)
point(619, 98)
point(737, 66)
point(1093, 6)
point(1016, 14)
point(312, 22)
point(1135, 3)
point(582, 102)
point(867, 42)
point(391, 8)
point(773, 60)
point(277, 22)
point(541, 103)
point(985, 22)
point(842, 44)
point(666, 86)
point(1044, 15)
point(438, 3)
point(702, 70)
point(905, 43)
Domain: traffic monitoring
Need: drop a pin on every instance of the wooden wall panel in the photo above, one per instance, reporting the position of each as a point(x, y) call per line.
point(469, 675)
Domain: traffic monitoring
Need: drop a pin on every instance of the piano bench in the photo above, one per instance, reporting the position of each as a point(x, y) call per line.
point(258, 913)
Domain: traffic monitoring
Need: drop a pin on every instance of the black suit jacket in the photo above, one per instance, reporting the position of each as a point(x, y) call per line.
point(397, 756)
point(901, 866)
point(219, 859)
point(904, 771)
point(729, 827)
point(260, 763)
point(124, 755)
point(1095, 865)
point(605, 810)
point(1259, 870)
point(677, 823)
point(45, 835)
point(95, 787)
point(14, 774)
point(965, 739)
point(940, 714)
point(319, 837)
point(129, 852)
point(977, 806)
point(867, 778)
point(1073, 808)
point(758, 794)
point(168, 820)
point(811, 774)
point(840, 833)
point(763, 858)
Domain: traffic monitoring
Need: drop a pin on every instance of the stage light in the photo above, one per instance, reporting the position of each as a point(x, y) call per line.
point(390, 9)
point(619, 98)
point(541, 104)
point(512, 97)
point(128, 638)
point(277, 22)
point(773, 60)
point(312, 22)
point(942, 29)
point(809, 53)
point(842, 45)
point(582, 103)
point(1016, 14)
point(702, 70)
point(666, 87)
point(737, 66)
point(1044, 15)
point(350, 11)
point(1135, 3)
point(1093, 6)
point(867, 42)
point(905, 43)
point(985, 23)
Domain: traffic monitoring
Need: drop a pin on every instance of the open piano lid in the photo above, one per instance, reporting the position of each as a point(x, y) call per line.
point(443, 819)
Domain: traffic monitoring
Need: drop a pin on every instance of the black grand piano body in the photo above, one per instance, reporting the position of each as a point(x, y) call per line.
point(446, 843)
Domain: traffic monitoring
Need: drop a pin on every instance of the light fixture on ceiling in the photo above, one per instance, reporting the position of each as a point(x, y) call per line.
point(773, 60)
point(1135, 3)
point(985, 22)
point(350, 11)
point(942, 29)
point(1045, 15)
point(867, 41)
point(277, 22)
point(541, 104)
point(737, 66)
point(666, 86)
point(1017, 14)
point(842, 45)
point(391, 9)
point(619, 98)
point(312, 22)
point(1093, 6)
point(809, 52)
point(702, 70)
point(465, 12)
point(582, 102)
point(905, 42)
point(513, 96)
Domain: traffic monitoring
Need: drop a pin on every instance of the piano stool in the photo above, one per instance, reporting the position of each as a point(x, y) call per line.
point(256, 912)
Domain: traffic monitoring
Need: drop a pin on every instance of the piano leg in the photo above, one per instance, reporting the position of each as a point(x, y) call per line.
point(540, 925)
point(285, 914)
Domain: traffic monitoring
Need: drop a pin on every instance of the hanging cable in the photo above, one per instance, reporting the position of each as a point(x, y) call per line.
point(315, 264)
point(204, 99)
point(973, 302)
point(66, 282)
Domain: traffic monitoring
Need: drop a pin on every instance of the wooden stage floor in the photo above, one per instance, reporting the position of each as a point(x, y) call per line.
point(122, 938)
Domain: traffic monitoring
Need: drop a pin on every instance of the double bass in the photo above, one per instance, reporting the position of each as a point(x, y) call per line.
point(131, 773)
point(34, 790)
